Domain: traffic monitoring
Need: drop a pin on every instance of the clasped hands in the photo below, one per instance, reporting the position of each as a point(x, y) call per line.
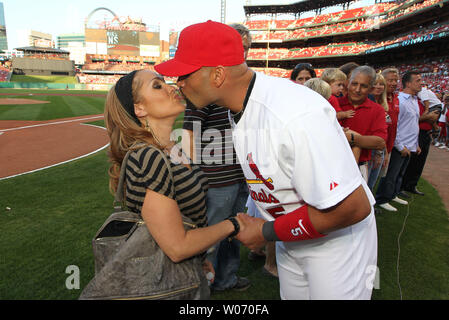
point(250, 234)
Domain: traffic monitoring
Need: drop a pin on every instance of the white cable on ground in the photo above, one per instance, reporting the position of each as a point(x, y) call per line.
point(399, 246)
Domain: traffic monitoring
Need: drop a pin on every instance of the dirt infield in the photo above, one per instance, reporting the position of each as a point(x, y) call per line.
point(28, 146)
point(56, 94)
point(436, 172)
point(21, 101)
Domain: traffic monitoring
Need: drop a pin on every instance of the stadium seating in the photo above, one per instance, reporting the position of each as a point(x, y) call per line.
point(333, 49)
point(435, 74)
point(354, 20)
point(128, 67)
point(336, 49)
point(275, 72)
point(331, 18)
point(97, 78)
point(4, 73)
point(47, 56)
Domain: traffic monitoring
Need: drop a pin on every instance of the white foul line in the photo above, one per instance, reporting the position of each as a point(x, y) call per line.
point(50, 123)
point(67, 161)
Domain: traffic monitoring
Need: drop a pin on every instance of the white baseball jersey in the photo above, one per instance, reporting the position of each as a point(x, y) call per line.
point(290, 136)
point(428, 95)
point(293, 151)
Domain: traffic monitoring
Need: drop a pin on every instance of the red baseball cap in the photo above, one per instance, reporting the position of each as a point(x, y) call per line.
point(207, 44)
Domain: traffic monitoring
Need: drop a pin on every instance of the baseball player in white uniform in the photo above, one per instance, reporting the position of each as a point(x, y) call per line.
point(298, 165)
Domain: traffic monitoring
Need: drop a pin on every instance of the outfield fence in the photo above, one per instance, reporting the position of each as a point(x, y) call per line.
point(57, 86)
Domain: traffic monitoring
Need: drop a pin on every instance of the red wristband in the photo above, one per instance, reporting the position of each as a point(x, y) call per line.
point(296, 226)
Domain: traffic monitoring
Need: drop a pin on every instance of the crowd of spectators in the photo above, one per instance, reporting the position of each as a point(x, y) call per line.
point(335, 17)
point(434, 73)
point(354, 20)
point(114, 66)
point(275, 72)
point(47, 56)
point(388, 116)
point(332, 49)
point(98, 78)
point(410, 7)
point(411, 35)
point(4, 73)
point(342, 48)
point(307, 33)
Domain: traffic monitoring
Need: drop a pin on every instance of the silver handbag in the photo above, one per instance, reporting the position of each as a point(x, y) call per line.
point(130, 265)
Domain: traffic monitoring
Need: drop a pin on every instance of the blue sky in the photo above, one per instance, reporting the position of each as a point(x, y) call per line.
point(65, 16)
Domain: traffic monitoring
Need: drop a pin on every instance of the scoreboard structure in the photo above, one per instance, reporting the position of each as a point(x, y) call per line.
point(122, 42)
point(127, 38)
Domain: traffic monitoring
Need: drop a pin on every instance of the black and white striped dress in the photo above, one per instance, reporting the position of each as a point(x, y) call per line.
point(146, 169)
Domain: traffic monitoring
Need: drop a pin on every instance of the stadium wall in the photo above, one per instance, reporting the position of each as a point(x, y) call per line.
point(43, 67)
point(55, 86)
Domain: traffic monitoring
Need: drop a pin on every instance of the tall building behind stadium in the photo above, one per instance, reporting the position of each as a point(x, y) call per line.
point(75, 44)
point(3, 37)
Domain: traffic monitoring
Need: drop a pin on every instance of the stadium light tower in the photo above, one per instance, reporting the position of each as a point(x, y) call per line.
point(223, 11)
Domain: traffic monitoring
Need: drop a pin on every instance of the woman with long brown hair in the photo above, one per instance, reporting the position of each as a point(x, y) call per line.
point(379, 93)
point(140, 111)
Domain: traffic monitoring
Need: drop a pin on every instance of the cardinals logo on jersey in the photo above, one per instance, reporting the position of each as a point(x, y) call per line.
point(259, 177)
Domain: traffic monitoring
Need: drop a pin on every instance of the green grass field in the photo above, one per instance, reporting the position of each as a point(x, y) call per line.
point(55, 213)
point(43, 79)
point(59, 106)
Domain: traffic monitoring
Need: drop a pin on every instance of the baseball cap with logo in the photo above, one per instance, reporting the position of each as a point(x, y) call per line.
point(207, 44)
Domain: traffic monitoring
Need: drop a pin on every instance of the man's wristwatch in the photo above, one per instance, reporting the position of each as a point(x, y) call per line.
point(236, 227)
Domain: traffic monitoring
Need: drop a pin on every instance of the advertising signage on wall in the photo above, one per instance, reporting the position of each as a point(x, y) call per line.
point(409, 42)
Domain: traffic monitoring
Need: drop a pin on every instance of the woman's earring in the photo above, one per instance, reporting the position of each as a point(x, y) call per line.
point(148, 128)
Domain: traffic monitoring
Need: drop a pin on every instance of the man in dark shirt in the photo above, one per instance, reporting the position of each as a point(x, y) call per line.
point(209, 133)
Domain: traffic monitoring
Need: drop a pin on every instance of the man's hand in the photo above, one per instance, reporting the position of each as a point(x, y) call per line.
point(377, 160)
point(251, 231)
point(405, 152)
point(418, 150)
point(386, 160)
